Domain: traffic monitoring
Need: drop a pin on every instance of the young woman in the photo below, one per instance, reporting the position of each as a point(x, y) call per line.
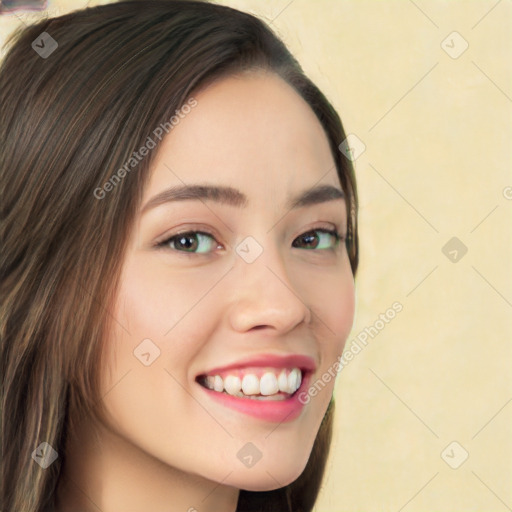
point(179, 250)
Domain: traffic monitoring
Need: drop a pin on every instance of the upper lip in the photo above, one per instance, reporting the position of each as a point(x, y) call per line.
point(300, 361)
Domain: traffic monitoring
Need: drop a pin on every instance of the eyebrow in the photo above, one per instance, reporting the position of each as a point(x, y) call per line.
point(233, 197)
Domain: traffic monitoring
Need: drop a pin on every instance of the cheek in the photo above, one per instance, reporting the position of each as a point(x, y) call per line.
point(147, 355)
point(342, 311)
point(145, 335)
point(155, 298)
point(162, 311)
point(335, 310)
point(334, 306)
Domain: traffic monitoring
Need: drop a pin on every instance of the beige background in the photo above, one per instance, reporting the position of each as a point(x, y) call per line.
point(437, 165)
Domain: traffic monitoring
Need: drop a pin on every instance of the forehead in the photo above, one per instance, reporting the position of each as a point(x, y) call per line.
point(251, 131)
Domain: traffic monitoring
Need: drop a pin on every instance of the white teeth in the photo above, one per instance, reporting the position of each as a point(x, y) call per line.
point(294, 380)
point(282, 380)
point(232, 385)
point(251, 384)
point(218, 383)
point(268, 384)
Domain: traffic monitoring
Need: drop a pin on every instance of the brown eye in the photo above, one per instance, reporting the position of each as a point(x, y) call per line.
point(195, 242)
point(318, 237)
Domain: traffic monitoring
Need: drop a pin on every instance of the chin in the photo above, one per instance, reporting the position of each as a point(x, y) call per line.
point(267, 478)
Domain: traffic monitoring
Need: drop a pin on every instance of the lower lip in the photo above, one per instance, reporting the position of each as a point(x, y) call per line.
point(274, 411)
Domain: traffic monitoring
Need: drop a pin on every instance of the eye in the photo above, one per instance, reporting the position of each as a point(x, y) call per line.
point(195, 242)
point(201, 242)
point(319, 239)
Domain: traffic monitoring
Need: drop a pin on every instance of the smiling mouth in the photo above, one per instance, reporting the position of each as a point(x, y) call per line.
point(266, 384)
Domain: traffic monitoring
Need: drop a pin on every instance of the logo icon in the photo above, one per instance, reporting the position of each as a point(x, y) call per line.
point(454, 250)
point(44, 45)
point(44, 455)
point(352, 147)
point(249, 455)
point(454, 455)
point(454, 45)
point(147, 352)
point(249, 249)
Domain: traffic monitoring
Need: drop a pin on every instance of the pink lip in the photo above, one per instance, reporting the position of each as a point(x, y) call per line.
point(272, 361)
point(282, 411)
point(277, 411)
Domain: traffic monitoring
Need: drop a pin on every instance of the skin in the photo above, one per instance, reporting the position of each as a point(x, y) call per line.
point(167, 446)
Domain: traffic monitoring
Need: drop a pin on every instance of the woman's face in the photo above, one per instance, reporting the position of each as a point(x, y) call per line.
point(262, 282)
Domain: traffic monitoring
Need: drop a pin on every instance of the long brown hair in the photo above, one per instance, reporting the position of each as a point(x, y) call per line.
point(68, 122)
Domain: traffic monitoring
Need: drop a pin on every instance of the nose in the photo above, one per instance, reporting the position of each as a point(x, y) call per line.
point(265, 296)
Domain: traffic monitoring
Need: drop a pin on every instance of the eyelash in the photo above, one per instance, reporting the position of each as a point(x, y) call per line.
point(164, 244)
